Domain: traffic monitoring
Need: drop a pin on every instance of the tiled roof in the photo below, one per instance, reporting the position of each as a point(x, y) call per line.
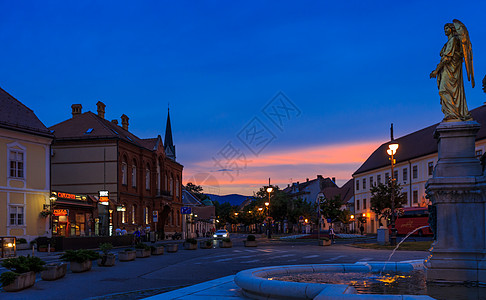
point(90, 126)
point(346, 191)
point(189, 199)
point(416, 144)
point(16, 116)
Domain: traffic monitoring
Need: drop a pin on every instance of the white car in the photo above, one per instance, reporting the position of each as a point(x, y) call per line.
point(222, 233)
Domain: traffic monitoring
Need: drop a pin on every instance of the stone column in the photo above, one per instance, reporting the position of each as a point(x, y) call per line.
point(458, 191)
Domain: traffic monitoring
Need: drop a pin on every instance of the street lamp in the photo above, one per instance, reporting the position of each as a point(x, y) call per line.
point(267, 204)
point(392, 149)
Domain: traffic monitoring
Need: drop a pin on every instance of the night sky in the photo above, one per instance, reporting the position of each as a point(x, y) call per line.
point(256, 89)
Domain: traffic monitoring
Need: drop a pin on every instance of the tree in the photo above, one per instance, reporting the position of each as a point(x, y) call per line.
point(196, 190)
point(331, 208)
point(380, 202)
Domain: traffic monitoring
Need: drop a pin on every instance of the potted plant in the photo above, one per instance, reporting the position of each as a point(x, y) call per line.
point(250, 241)
point(127, 255)
point(324, 241)
point(142, 250)
point(171, 247)
point(22, 272)
point(207, 244)
point(157, 249)
point(80, 260)
point(107, 259)
point(54, 271)
point(190, 244)
point(226, 243)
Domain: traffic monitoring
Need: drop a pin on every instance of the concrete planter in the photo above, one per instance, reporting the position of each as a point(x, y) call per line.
point(81, 267)
point(204, 245)
point(158, 250)
point(54, 271)
point(22, 281)
point(127, 255)
point(190, 246)
point(107, 261)
point(223, 244)
point(250, 243)
point(141, 253)
point(324, 243)
point(172, 247)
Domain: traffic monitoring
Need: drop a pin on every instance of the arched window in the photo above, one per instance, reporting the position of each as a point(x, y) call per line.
point(134, 174)
point(177, 187)
point(171, 185)
point(147, 177)
point(124, 171)
point(123, 214)
point(158, 179)
point(146, 215)
point(134, 213)
point(166, 186)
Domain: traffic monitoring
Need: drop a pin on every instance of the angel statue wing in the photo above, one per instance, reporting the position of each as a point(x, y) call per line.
point(466, 49)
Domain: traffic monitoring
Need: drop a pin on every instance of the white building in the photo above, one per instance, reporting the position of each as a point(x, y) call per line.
point(416, 158)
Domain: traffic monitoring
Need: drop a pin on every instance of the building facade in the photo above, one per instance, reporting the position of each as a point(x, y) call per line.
point(24, 171)
point(92, 154)
point(416, 158)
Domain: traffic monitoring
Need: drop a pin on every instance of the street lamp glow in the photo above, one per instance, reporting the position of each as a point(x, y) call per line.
point(364, 215)
point(269, 189)
point(260, 208)
point(267, 203)
point(392, 149)
point(352, 216)
point(236, 214)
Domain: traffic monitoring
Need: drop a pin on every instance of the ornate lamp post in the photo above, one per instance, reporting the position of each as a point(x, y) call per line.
point(267, 204)
point(392, 149)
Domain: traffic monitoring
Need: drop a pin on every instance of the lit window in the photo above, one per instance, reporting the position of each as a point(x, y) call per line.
point(16, 215)
point(16, 164)
point(123, 215)
point(479, 153)
point(146, 213)
point(134, 211)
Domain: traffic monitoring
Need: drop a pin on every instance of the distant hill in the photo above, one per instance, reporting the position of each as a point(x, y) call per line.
point(233, 199)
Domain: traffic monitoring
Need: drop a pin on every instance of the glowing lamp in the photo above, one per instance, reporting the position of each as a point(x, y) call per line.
point(267, 203)
point(392, 149)
point(269, 189)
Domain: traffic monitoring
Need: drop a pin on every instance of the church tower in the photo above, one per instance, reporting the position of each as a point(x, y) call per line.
point(168, 142)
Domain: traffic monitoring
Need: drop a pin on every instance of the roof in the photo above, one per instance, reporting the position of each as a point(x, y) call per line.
point(16, 116)
point(189, 198)
point(324, 182)
point(90, 126)
point(346, 192)
point(417, 144)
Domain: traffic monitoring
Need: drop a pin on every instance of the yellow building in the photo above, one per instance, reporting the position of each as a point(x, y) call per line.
point(24, 170)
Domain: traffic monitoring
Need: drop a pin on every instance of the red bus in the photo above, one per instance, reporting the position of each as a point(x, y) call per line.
point(413, 218)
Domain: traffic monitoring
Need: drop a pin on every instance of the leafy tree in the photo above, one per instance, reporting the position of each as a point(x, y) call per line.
point(380, 202)
point(331, 208)
point(225, 213)
point(196, 190)
point(345, 216)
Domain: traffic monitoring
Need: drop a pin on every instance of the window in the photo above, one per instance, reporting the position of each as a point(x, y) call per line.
point(387, 177)
point(177, 188)
point(134, 211)
point(364, 203)
point(16, 164)
point(479, 153)
point(405, 195)
point(364, 183)
point(414, 172)
point(123, 214)
point(430, 166)
point(147, 178)
point(371, 182)
point(357, 205)
point(378, 178)
point(395, 175)
point(357, 185)
point(16, 215)
point(146, 213)
point(89, 131)
point(415, 197)
point(158, 178)
point(171, 186)
point(405, 174)
point(134, 175)
point(124, 173)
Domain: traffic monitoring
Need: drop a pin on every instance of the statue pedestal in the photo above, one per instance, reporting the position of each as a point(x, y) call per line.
point(458, 191)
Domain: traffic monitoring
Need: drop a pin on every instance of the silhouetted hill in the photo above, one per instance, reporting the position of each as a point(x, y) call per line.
point(233, 199)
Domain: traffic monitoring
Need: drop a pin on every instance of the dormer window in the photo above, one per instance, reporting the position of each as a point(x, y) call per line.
point(89, 131)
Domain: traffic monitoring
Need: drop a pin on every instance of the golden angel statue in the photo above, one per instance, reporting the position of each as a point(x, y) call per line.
point(449, 72)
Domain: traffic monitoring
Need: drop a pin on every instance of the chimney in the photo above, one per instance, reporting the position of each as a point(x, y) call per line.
point(307, 180)
point(114, 121)
point(334, 179)
point(319, 177)
point(101, 109)
point(124, 119)
point(76, 109)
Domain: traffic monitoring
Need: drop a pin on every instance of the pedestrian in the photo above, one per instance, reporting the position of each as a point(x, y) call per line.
point(137, 236)
point(124, 231)
point(331, 235)
point(118, 231)
point(143, 235)
point(361, 228)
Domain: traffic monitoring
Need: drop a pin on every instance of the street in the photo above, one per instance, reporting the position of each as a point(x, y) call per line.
point(185, 267)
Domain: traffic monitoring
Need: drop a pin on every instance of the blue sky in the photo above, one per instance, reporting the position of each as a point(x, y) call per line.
point(348, 70)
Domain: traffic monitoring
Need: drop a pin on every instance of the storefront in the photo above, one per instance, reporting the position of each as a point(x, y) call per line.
point(73, 214)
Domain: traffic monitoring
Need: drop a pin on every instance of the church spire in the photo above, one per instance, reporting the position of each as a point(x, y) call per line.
point(168, 143)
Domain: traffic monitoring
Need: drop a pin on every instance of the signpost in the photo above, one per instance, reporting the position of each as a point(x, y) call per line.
point(104, 197)
point(185, 210)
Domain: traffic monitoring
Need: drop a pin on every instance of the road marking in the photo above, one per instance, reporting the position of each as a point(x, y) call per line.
point(311, 256)
point(281, 256)
point(335, 258)
point(225, 259)
point(246, 256)
point(366, 258)
point(250, 261)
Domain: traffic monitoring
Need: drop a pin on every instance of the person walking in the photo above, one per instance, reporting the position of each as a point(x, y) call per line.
point(331, 235)
point(361, 228)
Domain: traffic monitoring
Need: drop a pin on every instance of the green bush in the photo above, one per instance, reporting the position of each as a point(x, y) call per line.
point(142, 246)
point(128, 250)
point(250, 238)
point(21, 241)
point(80, 255)
point(105, 248)
point(23, 264)
point(227, 240)
point(191, 241)
point(8, 277)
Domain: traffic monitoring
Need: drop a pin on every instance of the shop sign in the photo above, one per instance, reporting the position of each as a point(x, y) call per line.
point(104, 197)
point(60, 212)
point(66, 196)
point(121, 208)
point(155, 215)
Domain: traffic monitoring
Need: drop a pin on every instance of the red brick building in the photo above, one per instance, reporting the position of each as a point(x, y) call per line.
point(91, 154)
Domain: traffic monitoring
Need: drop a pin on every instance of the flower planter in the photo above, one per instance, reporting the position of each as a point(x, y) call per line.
point(22, 281)
point(250, 243)
point(223, 244)
point(172, 247)
point(54, 271)
point(324, 242)
point(127, 255)
point(158, 250)
point(190, 246)
point(143, 253)
point(203, 245)
point(106, 261)
point(81, 267)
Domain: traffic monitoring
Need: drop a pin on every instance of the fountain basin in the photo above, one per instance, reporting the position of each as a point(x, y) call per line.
point(256, 285)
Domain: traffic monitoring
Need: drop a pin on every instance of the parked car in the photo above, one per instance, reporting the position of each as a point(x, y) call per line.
point(222, 233)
